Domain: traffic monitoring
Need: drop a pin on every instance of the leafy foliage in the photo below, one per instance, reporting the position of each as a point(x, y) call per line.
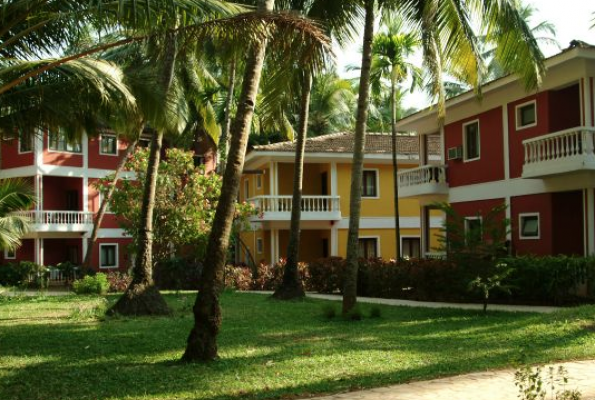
point(97, 284)
point(15, 195)
point(533, 386)
point(24, 274)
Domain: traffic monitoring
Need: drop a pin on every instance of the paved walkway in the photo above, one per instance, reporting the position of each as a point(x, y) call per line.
point(429, 304)
point(494, 385)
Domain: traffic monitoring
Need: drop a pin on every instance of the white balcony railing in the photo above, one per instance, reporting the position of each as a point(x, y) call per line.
point(312, 207)
point(57, 217)
point(429, 180)
point(559, 152)
point(422, 175)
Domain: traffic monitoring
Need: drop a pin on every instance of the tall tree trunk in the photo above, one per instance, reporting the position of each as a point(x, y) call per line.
point(291, 287)
point(393, 121)
point(355, 199)
point(224, 140)
point(142, 296)
point(202, 341)
point(105, 201)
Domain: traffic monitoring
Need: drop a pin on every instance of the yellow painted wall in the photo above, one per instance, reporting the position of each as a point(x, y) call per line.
point(312, 182)
point(250, 240)
point(310, 244)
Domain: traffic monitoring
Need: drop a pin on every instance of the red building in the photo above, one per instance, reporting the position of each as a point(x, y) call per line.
point(63, 175)
point(533, 152)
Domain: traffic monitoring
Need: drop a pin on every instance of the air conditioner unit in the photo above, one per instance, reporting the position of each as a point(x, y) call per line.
point(455, 153)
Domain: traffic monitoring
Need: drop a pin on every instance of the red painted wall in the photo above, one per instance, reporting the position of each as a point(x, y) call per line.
point(541, 203)
point(56, 251)
point(54, 191)
point(60, 158)
point(565, 108)
point(123, 256)
point(568, 220)
point(490, 166)
point(109, 220)
point(515, 138)
point(477, 208)
point(11, 157)
point(24, 253)
point(101, 161)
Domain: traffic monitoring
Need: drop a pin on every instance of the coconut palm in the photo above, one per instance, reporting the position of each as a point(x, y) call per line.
point(332, 105)
point(15, 195)
point(390, 50)
point(449, 43)
point(308, 47)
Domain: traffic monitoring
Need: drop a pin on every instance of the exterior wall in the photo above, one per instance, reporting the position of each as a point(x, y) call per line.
point(109, 219)
point(65, 159)
point(310, 244)
point(539, 203)
point(24, 253)
point(490, 165)
point(477, 208)
point(123, 257)
point(54, 192)
point(565, 108)
point(104, 161)
point(56, 251)
point(10, 157)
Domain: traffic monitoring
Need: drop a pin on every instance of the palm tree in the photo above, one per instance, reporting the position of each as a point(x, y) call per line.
point(310, 46)
point(518, 52)
point(15, 195)
point(390, 50)
point(332, 105)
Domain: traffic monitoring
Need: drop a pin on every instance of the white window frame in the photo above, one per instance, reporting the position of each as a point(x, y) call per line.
point(377, 172)
point(529, 214)
point(101, 245)
point(101, 146)
point(517, 114)
point(465, 157)
point(7, 255)
point(410, 237)
point(378, 254)
point(107, 209)
point(19, 143)
point(259, 245)
point(50, 150)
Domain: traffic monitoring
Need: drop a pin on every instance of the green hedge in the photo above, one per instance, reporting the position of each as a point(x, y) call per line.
point(24, 274)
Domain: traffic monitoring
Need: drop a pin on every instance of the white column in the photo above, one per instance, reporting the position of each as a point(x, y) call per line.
point(271, 178)
point(41, 251)
point(442, 144)
point(38, 150)
point(273, 246)
point(590, 221)
point(505, 139)
point(37, 251)
point(334, 180)
point(335, 240)
point(276, 181)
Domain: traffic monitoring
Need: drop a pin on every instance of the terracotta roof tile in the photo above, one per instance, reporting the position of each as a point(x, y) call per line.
point(376, 143)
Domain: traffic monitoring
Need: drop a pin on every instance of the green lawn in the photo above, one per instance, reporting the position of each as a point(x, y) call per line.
point(56, 348)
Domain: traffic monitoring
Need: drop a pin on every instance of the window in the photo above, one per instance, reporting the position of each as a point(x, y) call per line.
point(25, 142)
point(410, 247)
point(10, 254)
point(526, 115)
point(473, 230)
point(259, 245)
point(246, 189)
point(108, 256)
point(370, 183)
point(368, 248)
point(471, 141)
point(107, 208)
point(108, 145)
point(59, 142)
point(529, 226)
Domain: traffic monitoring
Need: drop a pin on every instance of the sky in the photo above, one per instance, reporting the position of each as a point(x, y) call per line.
point(572, 19)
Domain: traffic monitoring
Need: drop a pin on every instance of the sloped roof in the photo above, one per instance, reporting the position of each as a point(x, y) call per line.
point(376, 143)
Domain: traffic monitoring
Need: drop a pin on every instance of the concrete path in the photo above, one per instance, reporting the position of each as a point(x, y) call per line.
point(428, 304)
point(494, 385)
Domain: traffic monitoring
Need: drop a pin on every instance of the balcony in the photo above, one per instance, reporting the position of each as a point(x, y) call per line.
point(427, 181)
point(58, 221)
point(314, 208)
point(561, 152)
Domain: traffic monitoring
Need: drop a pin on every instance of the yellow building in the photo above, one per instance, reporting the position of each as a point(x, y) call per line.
point(268, 180)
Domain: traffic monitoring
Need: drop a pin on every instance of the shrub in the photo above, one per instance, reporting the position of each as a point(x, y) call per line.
point(97, 284)
point(326, 275)
point(68, 270)
point(25, 274)
point(238, 278)
point(118, 282)
point(177, 274)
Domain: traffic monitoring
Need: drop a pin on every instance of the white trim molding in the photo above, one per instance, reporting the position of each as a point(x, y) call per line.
point(522, 216)
point(377, 173)
point(518, 116)
point(465, 156)
point(116, 259)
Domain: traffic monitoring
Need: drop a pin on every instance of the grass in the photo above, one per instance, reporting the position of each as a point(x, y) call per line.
point(63, 348)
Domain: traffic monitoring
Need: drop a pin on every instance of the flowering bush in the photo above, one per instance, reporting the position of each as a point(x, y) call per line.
point(118, 282)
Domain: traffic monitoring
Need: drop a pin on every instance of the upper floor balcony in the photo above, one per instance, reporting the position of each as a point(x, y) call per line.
point(427, 181)
point(314, 208)
point(570, 150)
point(58, 221)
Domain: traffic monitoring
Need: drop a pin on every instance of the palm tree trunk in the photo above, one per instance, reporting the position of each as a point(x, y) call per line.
point(393, 121)
point(355, 199)
point(202, 341)
point(103, 206)
point(224, 140)
point(142, 296)
point(291, 287)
